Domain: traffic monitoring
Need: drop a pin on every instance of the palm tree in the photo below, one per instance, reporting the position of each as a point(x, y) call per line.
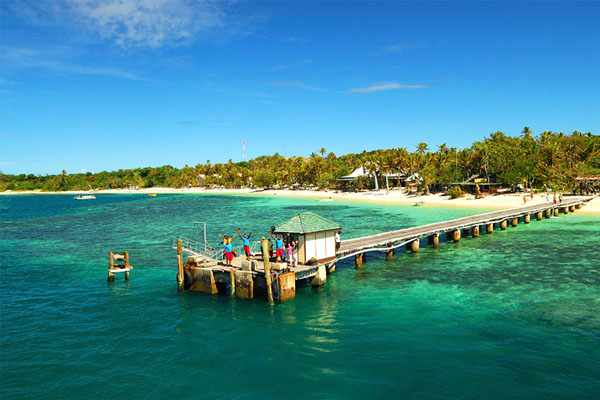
point(422, 148)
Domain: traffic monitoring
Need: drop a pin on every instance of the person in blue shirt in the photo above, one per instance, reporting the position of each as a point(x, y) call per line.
point(246, 240)
point(227, 248)
point(279, 246)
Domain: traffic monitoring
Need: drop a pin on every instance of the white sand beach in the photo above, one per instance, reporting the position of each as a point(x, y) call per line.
point(395, 196)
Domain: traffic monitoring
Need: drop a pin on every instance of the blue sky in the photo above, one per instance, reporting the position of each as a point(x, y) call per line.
point(91, 85)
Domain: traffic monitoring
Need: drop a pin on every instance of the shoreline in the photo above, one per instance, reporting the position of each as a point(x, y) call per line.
point(502, 201)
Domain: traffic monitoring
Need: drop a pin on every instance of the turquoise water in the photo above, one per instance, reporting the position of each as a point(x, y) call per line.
point(515, 314)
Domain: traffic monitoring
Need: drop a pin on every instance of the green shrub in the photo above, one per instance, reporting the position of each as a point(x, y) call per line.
point(455, 193)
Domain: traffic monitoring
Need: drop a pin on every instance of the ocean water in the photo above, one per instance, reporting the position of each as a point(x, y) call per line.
point(515, 314)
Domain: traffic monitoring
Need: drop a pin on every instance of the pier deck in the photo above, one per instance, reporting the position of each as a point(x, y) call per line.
point(387, 240)
point(208, 273)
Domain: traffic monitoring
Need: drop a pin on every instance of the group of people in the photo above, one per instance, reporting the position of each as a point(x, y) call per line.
point(286, 250)
point(560, 198)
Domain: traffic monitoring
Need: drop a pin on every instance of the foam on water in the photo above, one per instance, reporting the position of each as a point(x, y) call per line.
point(514, 314)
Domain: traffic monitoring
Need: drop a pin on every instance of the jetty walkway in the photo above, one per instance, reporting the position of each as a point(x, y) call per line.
point(388, 241)
point(206, 271)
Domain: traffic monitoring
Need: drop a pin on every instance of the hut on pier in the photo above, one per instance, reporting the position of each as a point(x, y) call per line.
point(314, 234)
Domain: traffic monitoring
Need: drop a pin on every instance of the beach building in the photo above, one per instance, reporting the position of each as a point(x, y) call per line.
point(360, 172)
point(315, 236)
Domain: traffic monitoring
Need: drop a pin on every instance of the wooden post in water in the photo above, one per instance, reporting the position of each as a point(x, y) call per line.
point(111, 264)
point(126, 255)
point(475, 231)
point(571, 208)
point(389, 255)
point(434, 241)
point(489, 228)
point(556, 212)
point(565, 210)
point(503, 225)
point(527, 218)
point(578, 206)
point(358, 260)
point(180, 275)
point(456, 236)
point(414, 246)
point(538, 216)
point(265, 252)
point(514, 222)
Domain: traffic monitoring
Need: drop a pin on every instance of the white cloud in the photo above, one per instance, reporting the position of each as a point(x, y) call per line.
point(294, 85)
point(402, 47)
point(148, 23)
point(57, 59)
point(382, 86)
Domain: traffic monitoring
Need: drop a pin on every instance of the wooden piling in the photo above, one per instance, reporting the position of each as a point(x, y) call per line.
point(180, 276)
point(320, 277)
point(527, 218)
point(565, 210)
point(538, 215)
point(489, 228)
point(514, 222)
point(244, 285)
point(435, 241)
point(475, 231)
point(548, 213)
point(572, 208)
point(556, 212)
point(503, 225)
point(286, 282)
point(456, 236)
point(111, 264)
point(358, 260)
point(126, 255)
point(389, 254)
point(265, 252)
point(578, 206)
point(414, 246)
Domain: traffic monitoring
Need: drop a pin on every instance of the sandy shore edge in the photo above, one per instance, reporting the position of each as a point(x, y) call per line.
point(503, 201)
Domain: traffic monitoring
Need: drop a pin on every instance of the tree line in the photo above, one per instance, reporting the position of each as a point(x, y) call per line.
point(550, 159)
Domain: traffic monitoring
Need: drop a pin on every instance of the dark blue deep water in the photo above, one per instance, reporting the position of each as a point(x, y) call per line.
point(512, 315)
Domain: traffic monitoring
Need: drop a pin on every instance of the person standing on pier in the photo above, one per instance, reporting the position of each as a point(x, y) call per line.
point(227, 248)
point(560, 198)
point(294, 254)
point(554, 199)
point(246, 240)
point(338, 240)
point(278, 246)
point(289, 251)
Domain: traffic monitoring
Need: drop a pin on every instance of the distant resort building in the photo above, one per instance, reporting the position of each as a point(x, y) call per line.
point(361, 173)
point(486, 183)
point(314, 234)
point(588, 183)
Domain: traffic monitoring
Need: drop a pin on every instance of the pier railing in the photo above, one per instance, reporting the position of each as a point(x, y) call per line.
point(198, 249)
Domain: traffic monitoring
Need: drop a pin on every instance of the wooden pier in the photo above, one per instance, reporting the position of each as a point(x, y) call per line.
point(454, 229)
point(260, 277)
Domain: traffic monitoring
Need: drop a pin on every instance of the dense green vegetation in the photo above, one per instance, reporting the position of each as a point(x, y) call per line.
point(549, 159)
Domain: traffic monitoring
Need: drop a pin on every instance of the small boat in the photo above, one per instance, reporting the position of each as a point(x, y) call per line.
point(151, 194)
point(82, 196)
point(419, 203)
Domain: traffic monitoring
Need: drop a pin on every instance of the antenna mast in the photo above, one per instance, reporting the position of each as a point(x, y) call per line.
point(243, 150)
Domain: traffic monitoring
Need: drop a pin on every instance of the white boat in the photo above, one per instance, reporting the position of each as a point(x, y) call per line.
point(82, 196)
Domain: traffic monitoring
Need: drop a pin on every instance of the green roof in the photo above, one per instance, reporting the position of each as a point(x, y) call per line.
point(306, 222)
